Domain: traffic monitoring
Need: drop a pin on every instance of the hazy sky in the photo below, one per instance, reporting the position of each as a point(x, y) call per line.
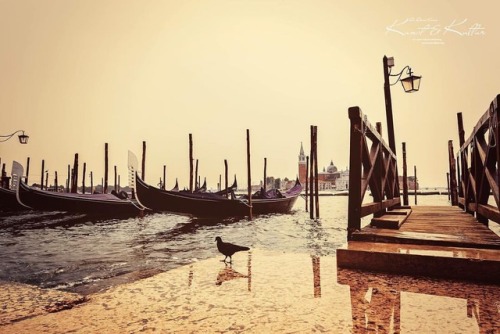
point(75, 74)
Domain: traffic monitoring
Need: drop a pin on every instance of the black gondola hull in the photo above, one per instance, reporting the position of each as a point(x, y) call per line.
point(88, 204)
point(207, 205)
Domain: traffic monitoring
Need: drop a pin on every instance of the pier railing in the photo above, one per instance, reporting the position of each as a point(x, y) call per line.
point(479, 171)
point(371, 164)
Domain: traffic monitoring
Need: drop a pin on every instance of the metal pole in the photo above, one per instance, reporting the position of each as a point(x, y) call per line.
point(388, 107)
point(405, 178)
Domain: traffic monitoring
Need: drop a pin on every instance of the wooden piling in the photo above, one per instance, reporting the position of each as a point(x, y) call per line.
point(27, 170)
point(265, 174)
point(43, 172)
point(56, 184)
point(405, 178)
point(47, 180)
point(461, 164)
point(416, 183)
point(74, 187)
point(316, 179)
point(453, 177)
point(164, 176)
point(307, 182)
point(196, 183)
point(190, 162)
point(311, 176)
point(91, 182)
point(220, 182)
point(84, 173)
point(249, 176)
point(105, 182)
point(144, 160)
point(116, 180)
point(226, 177)
point(68, 180)
point(448, 182)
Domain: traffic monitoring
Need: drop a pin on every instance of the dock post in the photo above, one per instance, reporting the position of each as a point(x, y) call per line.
point(461, 164)
point(354, 204)
point(453, 175)
point(56, 185)
point(405, 178)
point(416, 183)
point(448, 181)
point(105, 185)
point(249, 176)
point(91, 182)
point(47, 180)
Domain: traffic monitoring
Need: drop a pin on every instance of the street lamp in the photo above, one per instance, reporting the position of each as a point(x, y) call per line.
point(410, 84)
point(23, 138)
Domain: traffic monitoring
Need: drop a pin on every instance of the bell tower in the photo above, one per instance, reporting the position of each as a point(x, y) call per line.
point(302, 165)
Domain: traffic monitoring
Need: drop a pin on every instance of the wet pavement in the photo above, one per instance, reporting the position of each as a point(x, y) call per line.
point(263, 291)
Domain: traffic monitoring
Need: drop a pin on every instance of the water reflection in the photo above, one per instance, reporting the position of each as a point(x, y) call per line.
point(228, 273)
point(376, 300)
point(316, 265)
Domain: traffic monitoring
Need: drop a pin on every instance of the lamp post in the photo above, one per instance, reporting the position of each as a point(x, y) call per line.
point(410, 84)
point(23, 138)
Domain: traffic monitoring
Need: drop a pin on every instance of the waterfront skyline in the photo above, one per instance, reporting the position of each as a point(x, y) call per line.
point(78, 74)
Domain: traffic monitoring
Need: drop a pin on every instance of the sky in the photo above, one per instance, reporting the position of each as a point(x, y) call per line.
point(77, 74)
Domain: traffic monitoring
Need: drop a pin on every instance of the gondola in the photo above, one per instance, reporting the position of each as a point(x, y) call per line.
point(8, 201)
point(221, 204)
point(99, 205)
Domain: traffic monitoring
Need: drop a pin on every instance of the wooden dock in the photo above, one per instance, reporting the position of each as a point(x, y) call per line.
point(439, 241)
point(436, 241)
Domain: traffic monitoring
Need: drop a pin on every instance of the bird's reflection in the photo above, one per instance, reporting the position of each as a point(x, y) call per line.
point(228, 273)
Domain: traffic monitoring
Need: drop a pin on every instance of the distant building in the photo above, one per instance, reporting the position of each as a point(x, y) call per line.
point(327, 179)
point(342, 182)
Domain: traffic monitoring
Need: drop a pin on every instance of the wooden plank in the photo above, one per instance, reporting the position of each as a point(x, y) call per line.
point(389, 221)
point(369, 208)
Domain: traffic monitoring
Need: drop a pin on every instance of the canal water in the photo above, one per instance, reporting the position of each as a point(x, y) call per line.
point(73, 253)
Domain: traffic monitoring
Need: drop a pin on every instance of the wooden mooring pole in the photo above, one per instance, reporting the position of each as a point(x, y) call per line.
point(190, 162)
point(265, 174)
point(164, 176)
point(91, 182)
point(43, 172)
point(316, 178)
point(249, 174)
point(56, 182)
point(405, 177)
point(196, 183)
point(74, 186)
point(307, 182)
point(84, 173)
point(116, 180)
point(225, 176)
point(68, 179)
point(105, 185)
point(144, 160)
point(27, 170)
point(311, 177)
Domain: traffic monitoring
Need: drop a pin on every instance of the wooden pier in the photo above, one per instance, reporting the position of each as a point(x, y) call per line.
point(451, 242)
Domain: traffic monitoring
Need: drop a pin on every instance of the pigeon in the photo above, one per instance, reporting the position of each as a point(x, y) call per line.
point(228, 249)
